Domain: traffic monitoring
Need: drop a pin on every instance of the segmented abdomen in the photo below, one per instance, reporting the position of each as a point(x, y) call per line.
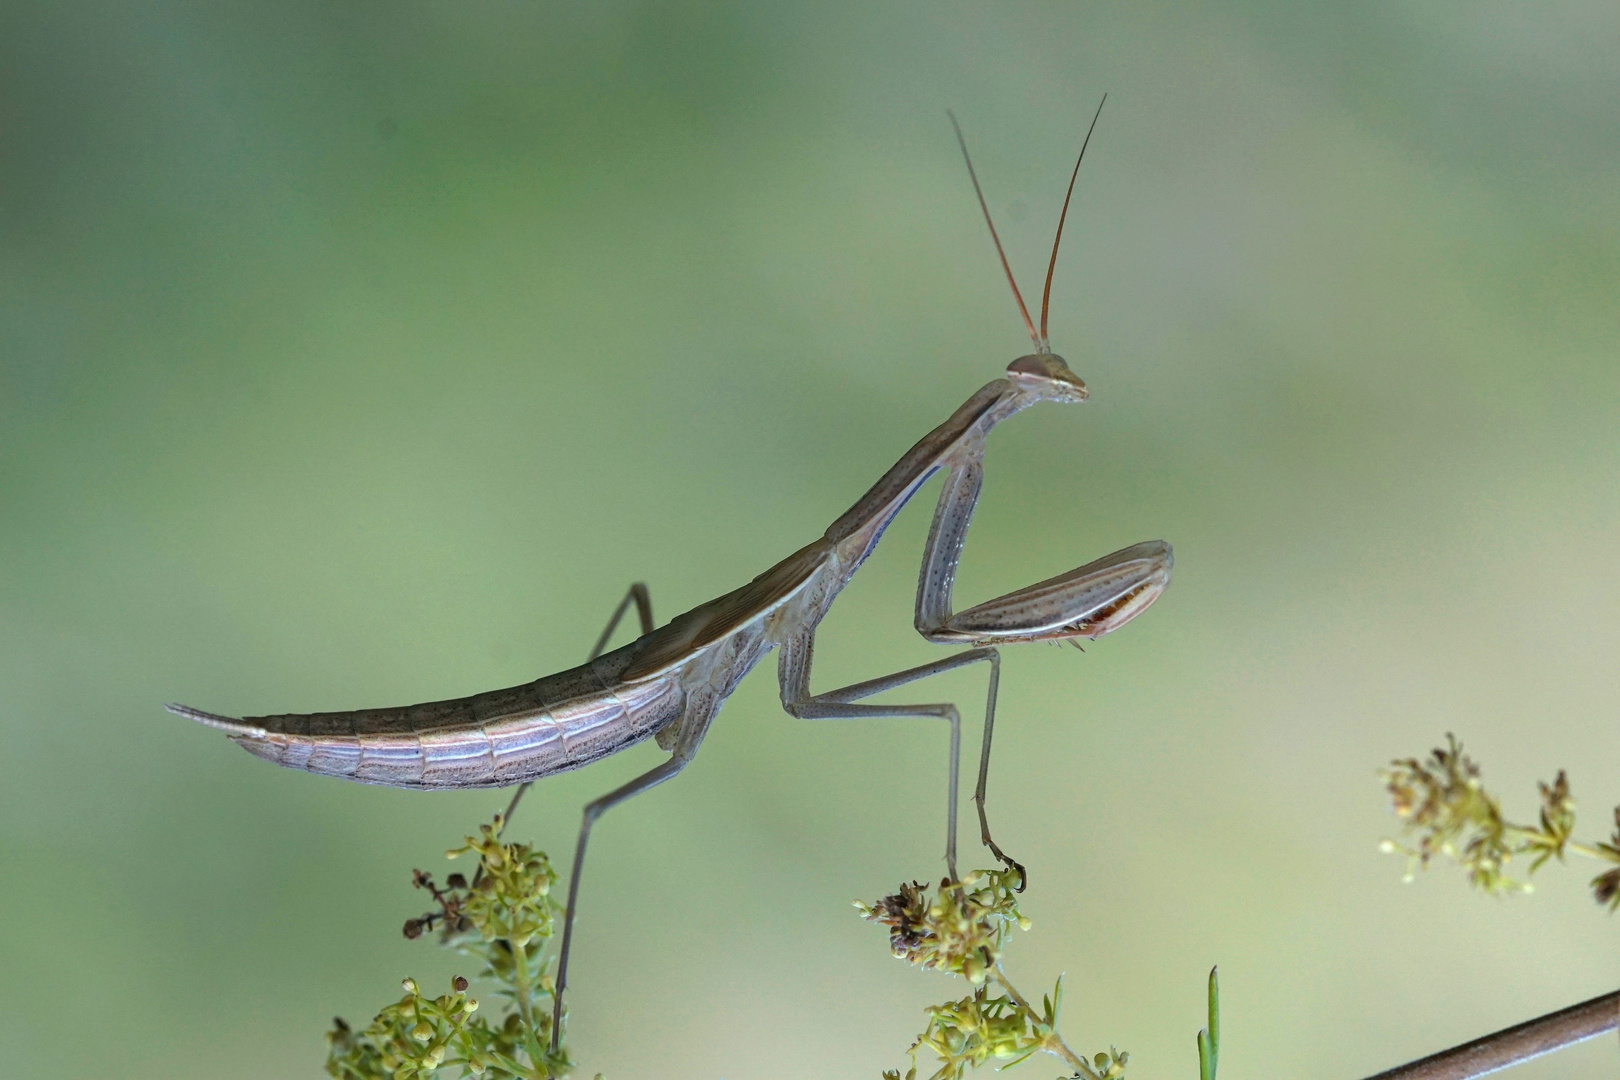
point(493, 739)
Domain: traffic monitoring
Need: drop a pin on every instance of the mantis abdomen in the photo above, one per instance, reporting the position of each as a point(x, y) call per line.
point(493, 739)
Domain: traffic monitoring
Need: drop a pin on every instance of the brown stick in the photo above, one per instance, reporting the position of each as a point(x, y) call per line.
point(1521, 1042)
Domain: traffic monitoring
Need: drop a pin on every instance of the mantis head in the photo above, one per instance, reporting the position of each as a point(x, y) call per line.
point(1047, 375)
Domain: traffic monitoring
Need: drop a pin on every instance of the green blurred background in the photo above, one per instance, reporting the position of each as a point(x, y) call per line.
point(359, 353)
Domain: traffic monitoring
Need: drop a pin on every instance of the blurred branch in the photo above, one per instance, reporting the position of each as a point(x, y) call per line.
point(1521, 1042)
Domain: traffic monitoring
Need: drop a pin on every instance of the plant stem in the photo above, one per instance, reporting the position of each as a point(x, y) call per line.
point(1525, 832)
point(1054, 1043)
point(520, 975)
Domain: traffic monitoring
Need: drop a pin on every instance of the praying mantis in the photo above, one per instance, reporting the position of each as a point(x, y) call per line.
point(670, 682)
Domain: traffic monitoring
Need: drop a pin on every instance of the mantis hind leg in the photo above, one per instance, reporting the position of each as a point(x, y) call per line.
point(636, 594)
point(844, 704)
point(593, 810)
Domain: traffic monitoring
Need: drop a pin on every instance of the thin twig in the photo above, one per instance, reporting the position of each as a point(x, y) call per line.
point(1054, 1044)
point(1521, 1042)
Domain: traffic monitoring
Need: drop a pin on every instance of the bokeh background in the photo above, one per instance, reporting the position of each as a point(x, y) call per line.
point(358, 353)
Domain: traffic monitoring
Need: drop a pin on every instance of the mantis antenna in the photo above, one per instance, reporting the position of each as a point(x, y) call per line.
point(1040, 339)
point(1046, 294)
point(1040, 345)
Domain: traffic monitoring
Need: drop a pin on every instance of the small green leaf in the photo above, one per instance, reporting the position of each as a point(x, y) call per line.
point(1020, 1059)
point(1209, 1039)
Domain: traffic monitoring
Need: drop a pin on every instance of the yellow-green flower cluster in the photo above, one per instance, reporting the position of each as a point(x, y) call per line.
point(503, 919)
point(961, 930)
point(511, 896)
point(409, 1039)
point(968, 1033)
point(1446, 809)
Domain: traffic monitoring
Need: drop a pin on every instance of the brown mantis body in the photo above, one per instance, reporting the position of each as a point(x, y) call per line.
point(670, 683)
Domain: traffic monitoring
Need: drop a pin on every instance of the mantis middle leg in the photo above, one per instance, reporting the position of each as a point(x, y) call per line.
point(683, 752)
point(685, 747)
point(842, 704)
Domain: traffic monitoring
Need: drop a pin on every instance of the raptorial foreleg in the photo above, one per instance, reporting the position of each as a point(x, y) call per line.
point(1088, 602)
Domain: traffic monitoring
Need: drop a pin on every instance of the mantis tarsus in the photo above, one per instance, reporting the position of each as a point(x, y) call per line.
point(670, 682)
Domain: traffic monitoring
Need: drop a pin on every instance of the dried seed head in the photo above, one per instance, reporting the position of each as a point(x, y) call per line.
point(1606, 887)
